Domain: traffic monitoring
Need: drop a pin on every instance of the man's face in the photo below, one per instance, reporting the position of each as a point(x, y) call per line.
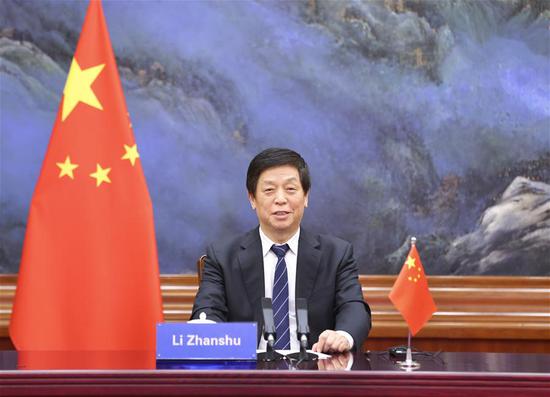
point(279, 202)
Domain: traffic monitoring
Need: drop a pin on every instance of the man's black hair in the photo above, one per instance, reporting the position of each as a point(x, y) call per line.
point(276, 157)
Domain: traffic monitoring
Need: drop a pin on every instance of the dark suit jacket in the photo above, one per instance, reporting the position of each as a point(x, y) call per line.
point(233, 284)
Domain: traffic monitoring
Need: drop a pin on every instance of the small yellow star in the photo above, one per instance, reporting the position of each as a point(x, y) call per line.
point(415, 278)
point(101, 175)
point(67, 168)
point(410, 262)
point(78, 88)
point(131, 153)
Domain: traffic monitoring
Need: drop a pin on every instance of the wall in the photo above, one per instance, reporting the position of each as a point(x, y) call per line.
point(425, 118)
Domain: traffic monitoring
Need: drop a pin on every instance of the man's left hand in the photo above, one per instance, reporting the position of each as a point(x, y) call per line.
point(331, 342)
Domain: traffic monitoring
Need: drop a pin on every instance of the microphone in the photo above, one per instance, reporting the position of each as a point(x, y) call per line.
point(302, 321)
point(270, 333)
point(302, 331)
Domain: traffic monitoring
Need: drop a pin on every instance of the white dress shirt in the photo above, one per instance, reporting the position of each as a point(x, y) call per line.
point(270, 262)
point(291, 259)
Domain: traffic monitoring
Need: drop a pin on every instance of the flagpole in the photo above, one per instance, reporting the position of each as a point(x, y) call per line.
point(409, 350)
point(408, 359)
point(409, 364)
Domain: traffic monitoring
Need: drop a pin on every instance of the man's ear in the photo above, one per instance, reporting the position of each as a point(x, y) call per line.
point(306, 199)
point(252, 201)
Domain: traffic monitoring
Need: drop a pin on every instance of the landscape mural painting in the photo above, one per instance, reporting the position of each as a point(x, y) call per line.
point(417, 118)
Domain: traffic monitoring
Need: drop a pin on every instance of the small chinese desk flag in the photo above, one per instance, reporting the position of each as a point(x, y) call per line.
point(89, 277)
point(410, 293)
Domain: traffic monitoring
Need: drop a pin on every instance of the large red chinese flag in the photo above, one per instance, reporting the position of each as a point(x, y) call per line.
point(410, 293)
point(89, 272)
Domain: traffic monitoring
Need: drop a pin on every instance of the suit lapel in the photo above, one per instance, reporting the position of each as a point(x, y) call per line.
point(252, 269)
point(309, 256)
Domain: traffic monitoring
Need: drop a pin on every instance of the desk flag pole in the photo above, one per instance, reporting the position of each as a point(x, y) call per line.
point(409, 363)
point(412, 298)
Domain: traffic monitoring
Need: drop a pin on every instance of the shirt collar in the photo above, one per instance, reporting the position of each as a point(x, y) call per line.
point(267, 243)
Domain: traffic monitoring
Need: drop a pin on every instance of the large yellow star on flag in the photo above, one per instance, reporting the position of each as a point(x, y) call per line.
point(410, 262)
point(67, 168)
point(101, 175)
point(131, 153)
point(78, 88)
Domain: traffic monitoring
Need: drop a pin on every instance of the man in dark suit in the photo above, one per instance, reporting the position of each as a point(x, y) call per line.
point(283, 261)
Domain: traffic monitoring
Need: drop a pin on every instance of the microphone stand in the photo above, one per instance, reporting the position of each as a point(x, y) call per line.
point(303, 355)
point(270, 354)
point(302, 331)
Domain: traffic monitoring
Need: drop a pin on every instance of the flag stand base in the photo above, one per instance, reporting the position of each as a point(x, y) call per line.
point(408, 364)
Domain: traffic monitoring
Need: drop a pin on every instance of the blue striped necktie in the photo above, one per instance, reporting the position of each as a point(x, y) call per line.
point(280, 299)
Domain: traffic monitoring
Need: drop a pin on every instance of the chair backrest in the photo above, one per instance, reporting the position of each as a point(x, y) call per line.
point(200, 267)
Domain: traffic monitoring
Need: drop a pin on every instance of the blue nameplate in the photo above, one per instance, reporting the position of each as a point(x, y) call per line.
point(204, 341)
